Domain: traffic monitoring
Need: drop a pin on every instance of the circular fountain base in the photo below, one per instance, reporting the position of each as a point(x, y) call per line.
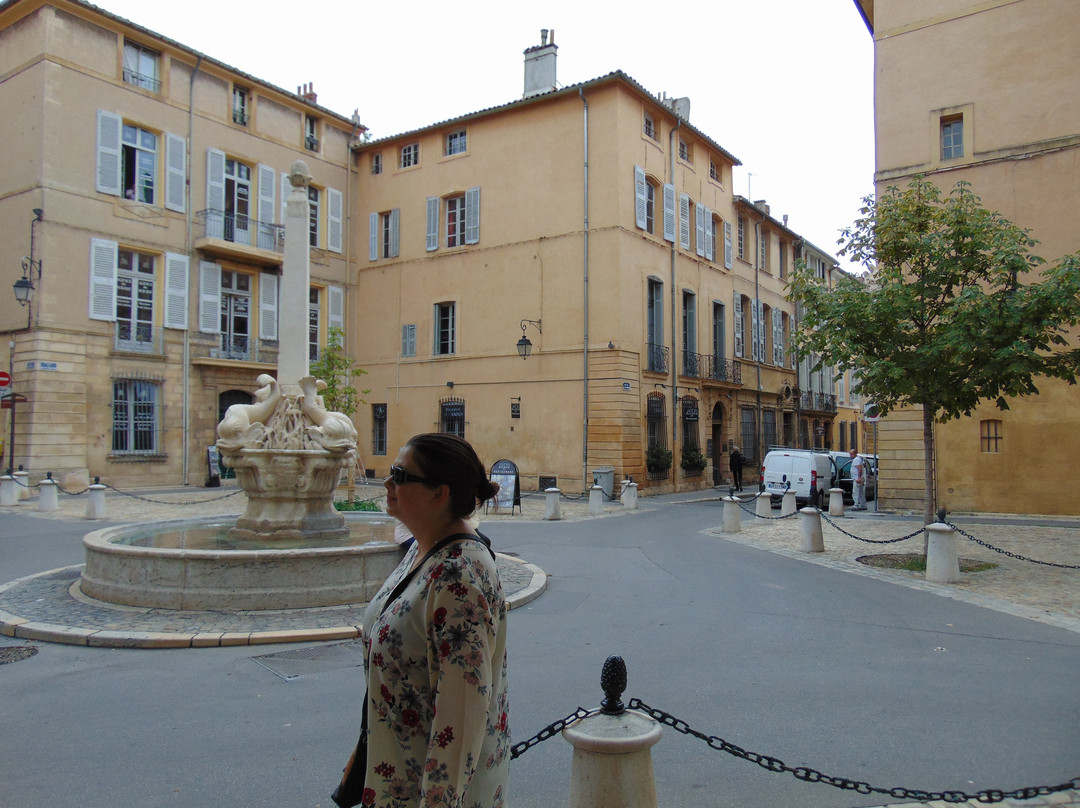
point(195, 565)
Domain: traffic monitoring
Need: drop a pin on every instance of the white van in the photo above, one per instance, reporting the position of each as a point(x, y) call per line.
point(808, 473)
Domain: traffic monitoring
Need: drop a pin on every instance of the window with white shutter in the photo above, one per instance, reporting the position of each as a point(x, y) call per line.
point(336, 307)
point(334, 215)
point(727, 245)
point(109, 131)
point(267, 196)
point(740, 335)
point(215, 193)
point(640, 197)
point(176, 291)
point(103, 258)
point(755, 344)
point(268, 306)
point(669, 212)
point(684, 221)
point(472, 216)
point(209, 297)
point(699, 230)
point(432, 224)
point(175, 172)
point(408, 339)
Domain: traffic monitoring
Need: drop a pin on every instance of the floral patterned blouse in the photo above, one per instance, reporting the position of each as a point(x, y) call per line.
point(436, 678)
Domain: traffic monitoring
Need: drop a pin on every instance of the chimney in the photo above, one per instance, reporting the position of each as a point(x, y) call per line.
point(680, 106)
point(540, 65)
point(763, 206)
point(307, 92)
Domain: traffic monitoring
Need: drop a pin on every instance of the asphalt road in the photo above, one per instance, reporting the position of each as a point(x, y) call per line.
point(848, 675)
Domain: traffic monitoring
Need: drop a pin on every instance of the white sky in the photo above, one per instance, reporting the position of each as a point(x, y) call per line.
point(786, 86)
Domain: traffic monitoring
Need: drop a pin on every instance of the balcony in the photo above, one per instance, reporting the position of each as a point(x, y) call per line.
point(141, 338)
point(234, 348)
point(658, 358)
point(817, 402)
point(721, 370)
point(693, 363)
point(241, 230)
point(146, 82)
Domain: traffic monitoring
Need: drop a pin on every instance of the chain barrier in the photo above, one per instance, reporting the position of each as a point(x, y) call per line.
point(550, 731)
point(742, 506)
point(170, 502)
point(825, 516)
point(1010, 554)
point(809, 775)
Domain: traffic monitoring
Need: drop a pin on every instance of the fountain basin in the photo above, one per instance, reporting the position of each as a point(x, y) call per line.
point(194, 565)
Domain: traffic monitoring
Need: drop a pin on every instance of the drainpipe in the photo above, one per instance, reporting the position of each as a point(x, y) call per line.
point(186, 361)
point(757, 311)
point(585, 338)
point(674, 351)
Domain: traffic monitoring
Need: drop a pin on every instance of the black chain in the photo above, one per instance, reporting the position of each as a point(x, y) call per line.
point(1009, 554)
point(167, 502)
point(825, 516)
point(813, 776)
point(550, 731)
point(755, 514)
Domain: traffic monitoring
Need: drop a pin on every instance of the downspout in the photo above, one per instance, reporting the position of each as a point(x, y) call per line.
point(757, 315)
point(186, 361)
point(585, 338)
point(674, 351)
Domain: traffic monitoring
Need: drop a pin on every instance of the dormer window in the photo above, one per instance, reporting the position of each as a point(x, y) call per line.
point(142, 67)
point(311, 133)
point(456, 143)
point(410, 155)
point(649, 126)
point(240, 106)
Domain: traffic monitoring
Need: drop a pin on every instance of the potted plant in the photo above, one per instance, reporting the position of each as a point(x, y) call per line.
point(693, 461)
point(658, 459)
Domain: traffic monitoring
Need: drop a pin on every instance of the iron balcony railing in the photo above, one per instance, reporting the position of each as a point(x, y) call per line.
point(241, 229)
point(138, 338)
point(693, 363)
point(151, 83)
point(722, 370)
point(240, 348)
point(658, 358)
point(818, 402)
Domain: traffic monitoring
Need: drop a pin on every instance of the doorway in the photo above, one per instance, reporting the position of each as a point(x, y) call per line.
point(717, 443)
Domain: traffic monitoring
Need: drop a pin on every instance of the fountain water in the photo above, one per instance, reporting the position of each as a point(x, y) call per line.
point(289, 452)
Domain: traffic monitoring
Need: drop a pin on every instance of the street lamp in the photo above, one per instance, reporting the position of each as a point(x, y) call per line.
point(24, 286)
point(524, 345)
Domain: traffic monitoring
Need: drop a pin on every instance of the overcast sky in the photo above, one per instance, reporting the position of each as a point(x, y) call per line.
point(786, 86)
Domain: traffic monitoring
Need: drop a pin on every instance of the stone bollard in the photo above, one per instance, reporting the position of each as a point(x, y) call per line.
point(836, 502)
point(596, 500)
point(612, 764)
point(552, 506)
point(787, 505)
point(48, 496)
point(764, 504)
point(22, 483)
point(942, 561)
point(9, 492)
point(95, 504)
point(810, 524)
point(732, 515)
point(629, 495)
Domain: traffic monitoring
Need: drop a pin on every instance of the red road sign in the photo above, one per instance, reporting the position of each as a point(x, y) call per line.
point(5, 378)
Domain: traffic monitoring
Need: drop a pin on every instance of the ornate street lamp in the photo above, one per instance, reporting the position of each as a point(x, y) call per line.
point(524, 345)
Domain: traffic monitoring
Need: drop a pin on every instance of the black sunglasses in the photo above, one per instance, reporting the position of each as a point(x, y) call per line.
point(400, 476)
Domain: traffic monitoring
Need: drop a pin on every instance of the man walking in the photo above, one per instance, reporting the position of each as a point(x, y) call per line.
point(858, 481)
point(736, 463)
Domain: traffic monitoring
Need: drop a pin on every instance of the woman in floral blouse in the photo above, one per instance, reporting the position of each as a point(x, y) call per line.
point(435, 655)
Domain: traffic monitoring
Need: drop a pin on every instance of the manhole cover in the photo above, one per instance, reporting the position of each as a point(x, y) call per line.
point(16, 654)
point(301, 662)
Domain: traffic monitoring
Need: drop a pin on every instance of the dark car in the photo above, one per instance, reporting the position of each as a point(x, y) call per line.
point(842, 479)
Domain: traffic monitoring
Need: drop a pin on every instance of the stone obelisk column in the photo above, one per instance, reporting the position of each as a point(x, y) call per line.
point(295, 282)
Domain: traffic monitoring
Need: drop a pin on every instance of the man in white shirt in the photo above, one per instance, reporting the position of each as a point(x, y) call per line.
point(858, 481)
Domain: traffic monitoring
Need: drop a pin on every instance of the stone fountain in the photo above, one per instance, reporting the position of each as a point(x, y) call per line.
point(291, 548)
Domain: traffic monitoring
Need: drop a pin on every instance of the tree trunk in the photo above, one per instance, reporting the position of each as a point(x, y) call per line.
point(928, 460)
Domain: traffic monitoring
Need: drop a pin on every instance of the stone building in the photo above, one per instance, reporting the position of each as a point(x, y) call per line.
point(985, 92)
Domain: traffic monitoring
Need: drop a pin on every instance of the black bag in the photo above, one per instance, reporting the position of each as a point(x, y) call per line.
point(350, 791)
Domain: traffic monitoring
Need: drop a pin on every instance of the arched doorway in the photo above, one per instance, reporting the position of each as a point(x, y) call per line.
point(230, 397)
point(717, 442)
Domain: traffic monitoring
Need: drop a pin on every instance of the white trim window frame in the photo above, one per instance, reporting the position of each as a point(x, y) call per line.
point(409, 155)
point(445, 343)
point(456, 142)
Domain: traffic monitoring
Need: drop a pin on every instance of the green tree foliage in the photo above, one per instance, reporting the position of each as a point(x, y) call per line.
point(336, 369)
point(945, 319)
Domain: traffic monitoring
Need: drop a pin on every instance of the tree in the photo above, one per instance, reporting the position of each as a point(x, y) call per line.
point(944, 320)
point(337, 370)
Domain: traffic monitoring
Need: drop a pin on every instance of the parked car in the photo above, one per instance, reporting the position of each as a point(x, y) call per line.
point(808, 473)
point(842, 462)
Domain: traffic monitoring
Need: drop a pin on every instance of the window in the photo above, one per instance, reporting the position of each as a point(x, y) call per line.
point(689, 335)
point(141, 67)
point(655, 327)
point(452, 416)
point(445, 329)
point(311, 133)
point(843, 431)
point(780, 327)
point(763, 250)
point(135, 416)
point(410, 155)
point(714, 171)
point(240, 106)
point(376, 163)
point(139, 164)
point(952, 137)
point(456, 143)
point(408, 339)
point(455, 221)
point(313, 215)
point(718, 345)
point(691, 441)
point(649, 126)
point(461, 223)
point(313, 325)
point(742, 238)
point(686, 152)
point(235, 314)
point(645, 201)
point(135, 274)
point(378, 429)
point(853, 429)
point(237, 201)
point(748, 430)
point(383, 234)
point(740, 325)
point(783, 259)
point(655, 420)
point(990, 436)
point(768, 428)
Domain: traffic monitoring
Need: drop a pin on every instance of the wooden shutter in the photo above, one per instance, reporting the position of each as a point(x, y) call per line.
point(727, 245)
point(395, 230)
point(740, 339)
point(432, 223)
point(334, 215)
point(175, 172)
point(215, 193)
point(110, 128)
point(778, 337)
point(699, 228)
point(266, 203)
point(408, 339)
point(710, 236)
point(755, 353)
point(335, 307)
point(209, 297)
point(669, 212)
point(472, 216)
point(640, 198)
point(373, 237)
point(103, 258)
point(176, 291)
point(268, 306)
point(684, 221)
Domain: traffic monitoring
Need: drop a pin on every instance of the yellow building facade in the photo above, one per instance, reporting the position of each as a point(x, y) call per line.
point(985, 92)
point(150, 179)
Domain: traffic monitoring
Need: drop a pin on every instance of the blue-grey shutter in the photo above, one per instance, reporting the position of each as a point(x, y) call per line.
point(710, 236)
point(778, 337)
point(699, 228)
point(640, 198)
point(267, 196)
point(373, 237)
point(176, 291)
point(395, 231)
point(335, 307)
point(669, 212)
point(727, 245)
point(103, 258)
point(472, 216)
point(268, 306)
point(215, 193)
point(740, 339)
point(432, 223)
point(209, 297)
point(334, 216)
point(110, 130)
point(175, 172)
